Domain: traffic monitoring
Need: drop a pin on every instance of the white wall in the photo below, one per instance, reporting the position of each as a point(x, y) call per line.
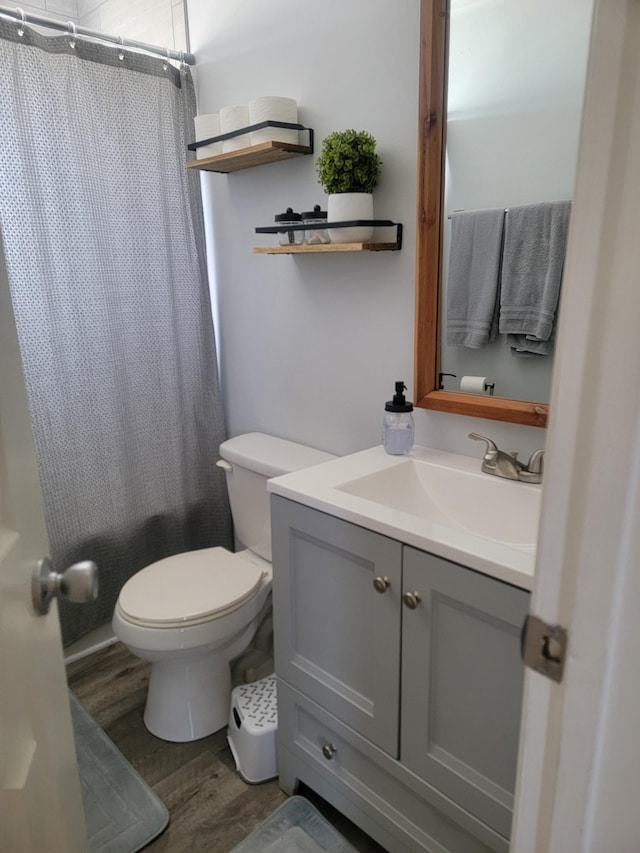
point(310, 346)
point(158, 22)
point(63, 10)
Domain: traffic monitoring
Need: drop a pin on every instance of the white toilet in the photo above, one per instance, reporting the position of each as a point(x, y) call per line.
point(191, 614)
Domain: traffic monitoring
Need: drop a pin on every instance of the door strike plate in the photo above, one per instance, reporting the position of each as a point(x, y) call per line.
point(543, 647)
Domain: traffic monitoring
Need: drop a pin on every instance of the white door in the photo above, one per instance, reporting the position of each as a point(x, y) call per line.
point(40, 800)
point(579, 768)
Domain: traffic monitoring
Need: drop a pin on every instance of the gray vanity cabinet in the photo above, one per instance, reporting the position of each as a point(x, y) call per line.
point(404, 718)
point(462, 680)
point(338, 640)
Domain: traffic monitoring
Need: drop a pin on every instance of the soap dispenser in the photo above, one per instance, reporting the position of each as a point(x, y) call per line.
point(397, 426)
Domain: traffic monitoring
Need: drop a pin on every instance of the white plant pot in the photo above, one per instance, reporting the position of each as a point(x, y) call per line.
point(343, 207)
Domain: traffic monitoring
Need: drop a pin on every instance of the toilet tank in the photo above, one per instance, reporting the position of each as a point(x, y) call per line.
point(251, 460)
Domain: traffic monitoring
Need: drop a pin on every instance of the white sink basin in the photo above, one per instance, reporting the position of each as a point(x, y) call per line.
point(490, 507)
point(432, 500)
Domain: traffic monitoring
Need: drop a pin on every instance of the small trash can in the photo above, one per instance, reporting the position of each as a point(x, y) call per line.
point(253, 723)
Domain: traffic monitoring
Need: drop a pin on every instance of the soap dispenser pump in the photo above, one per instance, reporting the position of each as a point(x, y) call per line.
point(397, 426)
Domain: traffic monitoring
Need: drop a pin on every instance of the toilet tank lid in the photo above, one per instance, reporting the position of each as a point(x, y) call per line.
point(270, 456)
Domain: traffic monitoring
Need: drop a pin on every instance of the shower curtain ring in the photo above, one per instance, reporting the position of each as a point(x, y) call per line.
point(121, 51)
point(165, 64)
point(72, 32)
point(22, 20)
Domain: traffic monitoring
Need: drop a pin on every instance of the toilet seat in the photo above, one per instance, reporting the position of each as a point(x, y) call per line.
point(189, 588)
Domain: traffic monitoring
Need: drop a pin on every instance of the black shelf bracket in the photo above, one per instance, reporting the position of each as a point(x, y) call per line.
point(193, 146)
point(351, 223)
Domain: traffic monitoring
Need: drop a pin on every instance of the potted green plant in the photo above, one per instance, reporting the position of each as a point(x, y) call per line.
point(348, 169)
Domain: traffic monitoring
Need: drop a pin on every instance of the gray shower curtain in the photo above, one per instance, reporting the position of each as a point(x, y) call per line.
point(103, 236)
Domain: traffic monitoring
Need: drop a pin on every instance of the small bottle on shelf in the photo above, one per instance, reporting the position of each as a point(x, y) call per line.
point(315, 236)
point(289, 237)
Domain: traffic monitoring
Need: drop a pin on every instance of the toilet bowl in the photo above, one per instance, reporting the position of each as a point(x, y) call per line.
point(189, 615)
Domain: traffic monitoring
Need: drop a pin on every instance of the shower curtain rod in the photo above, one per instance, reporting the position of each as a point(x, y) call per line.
point(19, 17)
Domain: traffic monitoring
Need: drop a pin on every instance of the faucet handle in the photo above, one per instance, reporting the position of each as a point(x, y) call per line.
point(536, 462)
point(492, 447)
point(533, 471)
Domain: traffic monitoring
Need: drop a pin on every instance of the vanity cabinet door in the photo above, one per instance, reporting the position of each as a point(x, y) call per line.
point(462, 683)
point(337, 639)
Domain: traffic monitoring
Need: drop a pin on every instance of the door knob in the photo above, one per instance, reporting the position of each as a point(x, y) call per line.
point(78, 583)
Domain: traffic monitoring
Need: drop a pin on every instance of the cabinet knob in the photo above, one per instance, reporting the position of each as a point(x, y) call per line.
point(411, 599)
point(328, 751)
point(381, 584)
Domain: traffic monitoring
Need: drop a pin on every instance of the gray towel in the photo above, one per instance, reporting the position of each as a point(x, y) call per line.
point(474, 273)
point(535, 242)
point(527, 347)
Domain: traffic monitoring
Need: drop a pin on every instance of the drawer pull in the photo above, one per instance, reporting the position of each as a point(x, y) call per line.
point(411, 599)
point(328, 751)
point(381, 584)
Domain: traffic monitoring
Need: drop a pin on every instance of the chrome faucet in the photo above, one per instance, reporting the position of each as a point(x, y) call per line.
point(508, 465)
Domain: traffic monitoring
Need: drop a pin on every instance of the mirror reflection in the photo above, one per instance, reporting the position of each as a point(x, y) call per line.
point(516, 77)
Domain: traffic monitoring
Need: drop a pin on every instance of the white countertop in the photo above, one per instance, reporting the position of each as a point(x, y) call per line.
point(319, 488)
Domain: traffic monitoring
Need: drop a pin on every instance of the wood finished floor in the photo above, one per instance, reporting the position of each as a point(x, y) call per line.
point(211, 808)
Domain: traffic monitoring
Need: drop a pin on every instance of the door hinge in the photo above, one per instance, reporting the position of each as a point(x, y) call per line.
point(543, 647)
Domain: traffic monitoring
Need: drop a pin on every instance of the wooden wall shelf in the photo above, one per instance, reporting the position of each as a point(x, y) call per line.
point(306, 249)
point(326, 247)
point(247, 158)
point(253, 155)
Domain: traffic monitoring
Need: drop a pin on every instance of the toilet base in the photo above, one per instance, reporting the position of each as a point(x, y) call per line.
point(188, 700)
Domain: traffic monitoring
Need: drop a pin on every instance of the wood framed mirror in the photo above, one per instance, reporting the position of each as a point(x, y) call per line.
point(429, 390)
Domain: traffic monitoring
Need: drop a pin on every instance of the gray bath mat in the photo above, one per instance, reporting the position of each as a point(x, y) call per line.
point(121, 812)
point(295, 827)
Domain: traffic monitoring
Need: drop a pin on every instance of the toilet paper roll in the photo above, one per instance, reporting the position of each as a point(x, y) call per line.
point(205, 123)
point(474, 384)
point(206, 126)
point(234, 117)
point(271, 108)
